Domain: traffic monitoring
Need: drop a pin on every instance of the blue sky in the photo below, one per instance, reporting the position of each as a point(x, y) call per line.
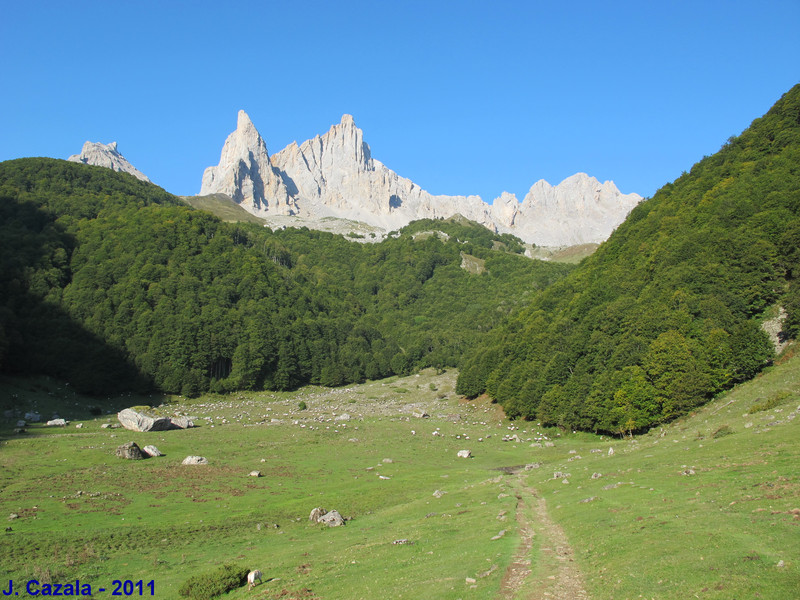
point(471, 97)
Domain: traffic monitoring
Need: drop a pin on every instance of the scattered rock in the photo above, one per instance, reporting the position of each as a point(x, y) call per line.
point(79, 426)
point(254, 474)
point(151, 451)
point(130, 450)
point(421, 414)
point(33, 417)
point(56, 423)
point(560, 475)
point(316, 514)
point(387, 461)
point(438, 494)
point(587, 500)
point(596, 475)
point(549, 444)
point(464, 454)
point(780, 564)
point(21, 423)
point(531, 466)
point(342, 417)
point(499, 535)
point(565, 481)
point(195, 460)
point(105, 425)
point(470, 580)
point(332, 519)
point(13, 516)
point(611, 452)
point(402, 542)
point(18, 430)
point(688, 472)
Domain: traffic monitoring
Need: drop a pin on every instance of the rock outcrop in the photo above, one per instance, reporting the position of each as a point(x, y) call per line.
point(246, 175)
point(334, 175)
point(106, 155)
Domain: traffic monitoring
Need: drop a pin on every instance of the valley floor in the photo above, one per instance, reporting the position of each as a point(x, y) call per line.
point(706, 507)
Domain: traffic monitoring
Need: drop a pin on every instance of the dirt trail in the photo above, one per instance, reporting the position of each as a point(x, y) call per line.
point(557, 577)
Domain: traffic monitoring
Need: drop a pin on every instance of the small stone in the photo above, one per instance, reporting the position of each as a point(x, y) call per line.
point(254, 474)
point(499, 535)
point(438, 494)
point(387, 461)
point(195, 460)
point(151, 451)
point(470, 580)
point(596, 475)
point(464, 454)
point(780, 564)
point(611, 452)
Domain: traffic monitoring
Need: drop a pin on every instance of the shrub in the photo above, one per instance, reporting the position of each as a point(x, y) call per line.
point(722, 432)
point(302, 405)
point(211, 584)
point(776, 399)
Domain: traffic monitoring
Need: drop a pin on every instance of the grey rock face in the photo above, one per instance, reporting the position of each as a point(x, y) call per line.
point(246, 175)
point(334, 175)
point(106, 155)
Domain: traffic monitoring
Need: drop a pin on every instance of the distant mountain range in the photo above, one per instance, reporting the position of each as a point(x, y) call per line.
point(335, 176)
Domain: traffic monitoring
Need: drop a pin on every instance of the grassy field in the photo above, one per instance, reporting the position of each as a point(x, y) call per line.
point(708, 507)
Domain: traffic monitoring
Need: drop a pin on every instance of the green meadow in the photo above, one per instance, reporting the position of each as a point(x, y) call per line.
point(707, 507)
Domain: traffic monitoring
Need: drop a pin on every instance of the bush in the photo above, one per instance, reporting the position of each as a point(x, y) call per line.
point(776, 399)
point(722, 432)
point(302, 405)
point(211, 584)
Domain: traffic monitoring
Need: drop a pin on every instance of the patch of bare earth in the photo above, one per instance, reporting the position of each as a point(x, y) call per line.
point(557, 577)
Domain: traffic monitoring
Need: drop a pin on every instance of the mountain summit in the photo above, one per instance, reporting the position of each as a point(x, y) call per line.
point(334, 175)
point(106, 155)
point(245, 174)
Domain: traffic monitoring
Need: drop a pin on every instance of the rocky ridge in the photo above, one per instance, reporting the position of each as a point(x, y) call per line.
point(106, 155)
point(334, 175)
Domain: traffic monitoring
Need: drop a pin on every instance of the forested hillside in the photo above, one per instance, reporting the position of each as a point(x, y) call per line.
point(108, 282)
point(666, 313)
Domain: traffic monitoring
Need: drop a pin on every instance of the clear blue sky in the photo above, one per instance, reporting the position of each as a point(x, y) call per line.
point(461, 97)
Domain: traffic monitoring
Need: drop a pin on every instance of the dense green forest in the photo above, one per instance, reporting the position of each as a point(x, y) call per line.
point(666, 313)
point(111, 283)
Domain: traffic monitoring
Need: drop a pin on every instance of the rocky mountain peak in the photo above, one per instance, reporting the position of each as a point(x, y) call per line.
point(334, 175)
point(245, 173)
point(106, 155)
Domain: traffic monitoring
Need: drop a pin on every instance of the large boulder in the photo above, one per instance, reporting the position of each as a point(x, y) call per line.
point(130, 450)
point(136, 421)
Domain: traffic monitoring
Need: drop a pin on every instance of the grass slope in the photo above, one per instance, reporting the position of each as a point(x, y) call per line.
point(649, 530)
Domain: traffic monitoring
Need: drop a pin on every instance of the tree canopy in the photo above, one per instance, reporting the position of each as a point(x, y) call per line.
point(666, 313)
point(177, 299)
